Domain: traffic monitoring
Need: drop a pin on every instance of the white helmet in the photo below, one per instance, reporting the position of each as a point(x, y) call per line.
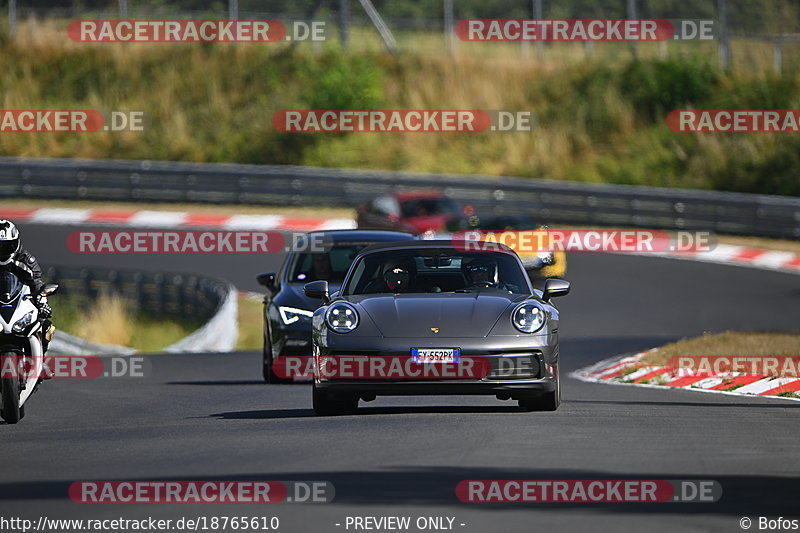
point(9, 241)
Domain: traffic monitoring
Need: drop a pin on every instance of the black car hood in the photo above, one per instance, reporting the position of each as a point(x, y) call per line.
point(470, 314)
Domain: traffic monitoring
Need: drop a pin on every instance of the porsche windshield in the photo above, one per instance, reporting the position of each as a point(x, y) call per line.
point(432, 271)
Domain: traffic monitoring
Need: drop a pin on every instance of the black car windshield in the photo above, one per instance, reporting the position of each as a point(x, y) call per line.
point(423, 207)
point(330, 265)
point(435, 270)
point(10, 286)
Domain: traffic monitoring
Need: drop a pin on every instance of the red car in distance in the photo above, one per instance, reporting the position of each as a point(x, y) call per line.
point(414, 212)
point(418, 212)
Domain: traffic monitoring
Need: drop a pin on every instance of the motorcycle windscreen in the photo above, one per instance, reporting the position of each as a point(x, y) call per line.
point(10, 288)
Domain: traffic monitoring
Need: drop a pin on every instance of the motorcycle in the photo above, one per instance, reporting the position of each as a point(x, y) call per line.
point(21, 353)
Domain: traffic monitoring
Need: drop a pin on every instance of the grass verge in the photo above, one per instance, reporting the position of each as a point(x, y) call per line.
point(600, 118)
point(730, 343)
point(113, 320)
point(251, 323)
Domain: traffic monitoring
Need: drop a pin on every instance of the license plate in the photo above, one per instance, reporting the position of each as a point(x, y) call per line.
point(435, 355)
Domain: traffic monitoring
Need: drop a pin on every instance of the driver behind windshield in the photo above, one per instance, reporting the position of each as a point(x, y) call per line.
point(397, 277)
point(480, 272)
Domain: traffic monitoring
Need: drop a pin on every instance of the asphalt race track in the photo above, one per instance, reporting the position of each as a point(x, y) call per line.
point(210, 417)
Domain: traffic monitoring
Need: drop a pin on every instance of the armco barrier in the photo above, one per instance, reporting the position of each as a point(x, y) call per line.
point(219, 334)
point(66, 344)
point(545, 200)
point(159, 294)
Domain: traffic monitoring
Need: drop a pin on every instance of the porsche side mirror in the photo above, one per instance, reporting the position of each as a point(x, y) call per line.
point(267, 279)
point(555, 287)
point(317, 289)
point(48, 289)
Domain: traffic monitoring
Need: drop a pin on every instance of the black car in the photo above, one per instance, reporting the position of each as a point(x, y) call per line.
point(319, 255)
point(426, 306)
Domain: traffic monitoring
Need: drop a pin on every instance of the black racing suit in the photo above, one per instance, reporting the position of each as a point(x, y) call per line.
point(27, 269)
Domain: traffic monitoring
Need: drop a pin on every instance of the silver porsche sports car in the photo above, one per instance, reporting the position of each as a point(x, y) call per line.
point(435, 317)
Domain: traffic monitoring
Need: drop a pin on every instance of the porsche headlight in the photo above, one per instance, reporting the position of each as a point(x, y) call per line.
point(23, 322)
point(528, 317)
point(290, 315)
point(341, 317)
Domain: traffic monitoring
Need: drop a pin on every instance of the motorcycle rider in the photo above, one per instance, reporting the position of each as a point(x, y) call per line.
point(15, 259)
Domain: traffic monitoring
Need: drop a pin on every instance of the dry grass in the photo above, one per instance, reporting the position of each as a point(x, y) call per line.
point(730, 343)
point(251, 323)
point(111, 319)
point(216, 102)
point(108, 321)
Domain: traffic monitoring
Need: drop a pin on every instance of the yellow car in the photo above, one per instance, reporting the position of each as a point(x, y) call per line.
point(530, 245)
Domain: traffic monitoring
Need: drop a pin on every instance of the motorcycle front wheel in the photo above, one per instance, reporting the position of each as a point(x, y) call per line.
point(11, 411)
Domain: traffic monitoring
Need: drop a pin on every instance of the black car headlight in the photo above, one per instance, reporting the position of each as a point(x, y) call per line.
point(22, 323)
point(290, 315)
point(528, 317)
point(341, 317)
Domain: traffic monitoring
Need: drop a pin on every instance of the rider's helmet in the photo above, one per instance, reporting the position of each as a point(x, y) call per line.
point(399, 277)
point(479, 269)
point(9, 241)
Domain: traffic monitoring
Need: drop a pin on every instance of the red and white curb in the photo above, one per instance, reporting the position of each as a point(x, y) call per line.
point(172, 219)
point(728, 254)
point(630, 370)
point(722, 254)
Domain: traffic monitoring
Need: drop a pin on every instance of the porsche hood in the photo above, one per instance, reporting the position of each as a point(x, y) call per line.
point(435, 315)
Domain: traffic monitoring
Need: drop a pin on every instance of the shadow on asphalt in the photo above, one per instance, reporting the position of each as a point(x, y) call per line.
point(265, 414)
point(220, 382)
point(363, 411)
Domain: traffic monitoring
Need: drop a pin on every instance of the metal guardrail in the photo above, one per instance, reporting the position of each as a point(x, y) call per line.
point(544, 200)
point(210, 301)
point(66, 344)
